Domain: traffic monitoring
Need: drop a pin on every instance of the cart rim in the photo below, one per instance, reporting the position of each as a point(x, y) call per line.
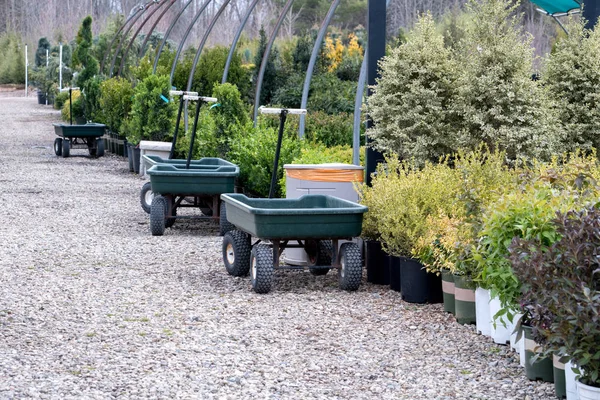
point(254, 268)
point(230, 253)
point(148, 196)
point(343, 266)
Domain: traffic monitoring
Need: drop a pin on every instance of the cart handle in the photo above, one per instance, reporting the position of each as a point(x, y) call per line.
point(202, 98)
point(69, 88)
point(182, 93)
point(298, 111)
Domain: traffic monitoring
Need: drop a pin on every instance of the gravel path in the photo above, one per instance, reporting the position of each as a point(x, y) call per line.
point(92, 306)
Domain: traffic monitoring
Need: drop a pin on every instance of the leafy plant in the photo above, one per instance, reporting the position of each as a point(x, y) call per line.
point(230, 112)
point(82, 55)
point(152, 112)
point(91, 99)
point(411, 104)
point(564, 278)
point(115, 101)
point(206, 143)
point(77, 107)
point(40, 53)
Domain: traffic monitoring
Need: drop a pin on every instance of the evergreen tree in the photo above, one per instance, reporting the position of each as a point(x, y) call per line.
point(40, 53)
point(82, 55)
point(271, 77)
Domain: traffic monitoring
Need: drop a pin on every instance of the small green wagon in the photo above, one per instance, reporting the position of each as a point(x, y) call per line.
point(88, 136)
point(199, 186)
point(316, 222)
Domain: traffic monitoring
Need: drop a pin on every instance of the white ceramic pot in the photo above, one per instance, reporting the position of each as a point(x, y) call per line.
point(500, 326)
point(482, 311)
point(586, 392)
point(522, 350)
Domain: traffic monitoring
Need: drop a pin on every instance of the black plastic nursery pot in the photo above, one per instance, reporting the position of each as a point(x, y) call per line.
point(541, 368)
point(120, 147)
point(41, 97)
point(448, 291)
point(130, 156)
point(417, 285)
point(136, 159)
point(377, 267)
point(464, 300)
point(560, 382)
point(394, 267)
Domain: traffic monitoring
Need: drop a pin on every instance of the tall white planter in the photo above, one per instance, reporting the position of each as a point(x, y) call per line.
point(571, 382)
point(501, 327)
point(148, 147)
point(482, 311)
point(586, 392)
point(521, 346)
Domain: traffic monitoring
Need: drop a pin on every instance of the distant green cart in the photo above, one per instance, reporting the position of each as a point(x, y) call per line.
point(88, 136)
point(315, 222)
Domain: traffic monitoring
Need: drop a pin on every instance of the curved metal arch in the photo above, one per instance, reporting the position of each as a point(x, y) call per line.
point(107, 53)
point(183, 40)
point(162, 45)
point(313, 60)
point(236, 39)
point(151, 31)
point(124, 37)
point(203, 42)
point(263, 64)
point(137, 32)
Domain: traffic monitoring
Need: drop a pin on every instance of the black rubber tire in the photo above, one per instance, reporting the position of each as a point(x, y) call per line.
point(66, 148)
point(146, 196)
point(99, 147)
point(350, 273)
point(157, 215)
point(205, 209)
point(58, 146)
point(323, 258)
point(224, 225)
point(236, 253)
point(170, 221)
point(261, 265)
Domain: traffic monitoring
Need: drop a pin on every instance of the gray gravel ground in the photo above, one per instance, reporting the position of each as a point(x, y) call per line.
point(92, 306)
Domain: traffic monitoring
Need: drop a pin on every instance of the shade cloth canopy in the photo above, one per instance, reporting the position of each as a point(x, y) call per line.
point(557, 6)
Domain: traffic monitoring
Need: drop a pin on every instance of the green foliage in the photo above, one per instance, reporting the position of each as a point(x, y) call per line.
point(82, 56)
point(562, 289)
point(330, 129)
point(302, 52)
point(78, 111)
point(401, 199)
point(271, 78)
point(206, 143)
point(91, 99)
point(115, 101)
point(40, 53)
point(12, 63)
point(151, 116)
point(60, 99)
point(572, 76)
point(210, 70)
point(229, 113)
point(253, 150)
point(411, 104)
point(500, 103)
point(332, 95)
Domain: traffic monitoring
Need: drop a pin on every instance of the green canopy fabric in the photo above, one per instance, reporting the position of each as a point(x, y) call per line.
point(557, 6)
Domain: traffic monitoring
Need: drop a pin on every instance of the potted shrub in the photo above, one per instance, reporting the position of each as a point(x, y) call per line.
point(571, 288)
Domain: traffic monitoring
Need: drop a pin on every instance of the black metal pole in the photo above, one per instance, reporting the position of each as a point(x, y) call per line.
point(71, 105)
point(172, 153)
point(591, 11)
point(193, 139)
point(282, 118)
point(376, 32)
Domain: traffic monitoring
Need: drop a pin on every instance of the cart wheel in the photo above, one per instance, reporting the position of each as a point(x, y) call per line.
point(206, 210)
point(146, 196)
point(170, 221)
point(157, 215)
point(350, 272)
point(66, 148)
point(236, 252)
point(58, 146)
point(261, 262)
point(224, 225)
point(99, 147)
point(323, 257)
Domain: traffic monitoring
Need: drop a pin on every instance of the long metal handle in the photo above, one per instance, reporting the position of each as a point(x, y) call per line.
point(182, 93)
point(201, 98)
point(297, 111)
point(282, 117)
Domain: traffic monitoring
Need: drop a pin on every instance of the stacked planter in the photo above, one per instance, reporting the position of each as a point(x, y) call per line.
point(448, 291)
point(464, 300)
point(540, 368)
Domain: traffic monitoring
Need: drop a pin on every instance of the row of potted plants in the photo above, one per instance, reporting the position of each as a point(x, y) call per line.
point(524, 231)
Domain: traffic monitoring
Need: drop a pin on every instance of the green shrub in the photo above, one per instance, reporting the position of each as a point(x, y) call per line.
point(206, 143)
point(12, 63)
point(500, 103)
point(230, 112)
point(40, 53)
point(271, 79)
point(331, 95)
point(91, 99)
point(210, 71)
point(253, 150)
point(60, 99)
point(572, 76)
point(115, 101)
point(77, 107)
point(411, 104)
point(151, 113)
